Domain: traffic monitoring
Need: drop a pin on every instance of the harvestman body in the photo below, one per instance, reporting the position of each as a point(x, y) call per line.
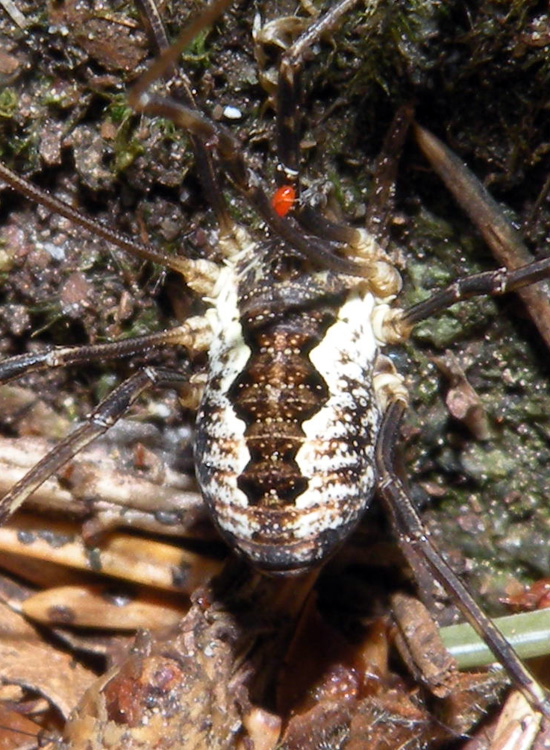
point(298, 417)
point(288, 423)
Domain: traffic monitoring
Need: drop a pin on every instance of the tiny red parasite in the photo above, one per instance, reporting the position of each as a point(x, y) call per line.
point(283, 199)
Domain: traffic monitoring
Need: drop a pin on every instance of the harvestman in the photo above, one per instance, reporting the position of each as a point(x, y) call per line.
point(285, 528)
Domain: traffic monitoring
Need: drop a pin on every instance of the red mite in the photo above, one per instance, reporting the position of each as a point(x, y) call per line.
point(283, 199)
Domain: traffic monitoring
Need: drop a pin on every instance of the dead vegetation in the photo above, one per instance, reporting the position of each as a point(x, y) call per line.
point(326, 676)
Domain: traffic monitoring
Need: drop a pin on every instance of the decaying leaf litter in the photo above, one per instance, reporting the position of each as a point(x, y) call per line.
point(491, 59)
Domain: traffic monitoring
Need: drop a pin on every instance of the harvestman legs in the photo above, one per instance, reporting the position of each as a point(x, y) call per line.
point(320, 241)
point(104, 416)
point(414, 540)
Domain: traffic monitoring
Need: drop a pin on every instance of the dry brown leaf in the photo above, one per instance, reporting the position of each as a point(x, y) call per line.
point(104, 607)
point(119, 555)
point(27, 660)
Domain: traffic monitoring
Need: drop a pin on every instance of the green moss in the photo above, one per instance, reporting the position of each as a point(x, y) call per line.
point(118, 110)
point(127, 147)
point(197, 51)
point(8, 102)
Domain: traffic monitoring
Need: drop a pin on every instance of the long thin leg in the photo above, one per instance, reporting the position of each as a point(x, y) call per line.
point(289, 90)
point(214, 136)
point(289, 126)
point(169, 57)
point(188, 268)
point(104, 416)
point(194, 335)
point(503, 239)
point(246, 181)
point(381, 205)
point(180, 88)
point(494, 283)
point(196, 273)
point(414, 540)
